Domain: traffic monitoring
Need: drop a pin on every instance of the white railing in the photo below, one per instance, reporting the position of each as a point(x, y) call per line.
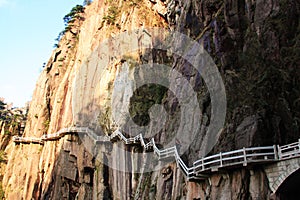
point(200, 167)
point(289, 150)
point(243, 157)
point(27, 140)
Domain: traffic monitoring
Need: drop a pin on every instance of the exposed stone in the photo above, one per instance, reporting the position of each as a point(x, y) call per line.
point(246, 132)
point(255, 46)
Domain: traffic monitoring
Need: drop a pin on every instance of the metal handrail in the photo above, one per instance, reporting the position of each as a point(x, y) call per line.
point(223, 159)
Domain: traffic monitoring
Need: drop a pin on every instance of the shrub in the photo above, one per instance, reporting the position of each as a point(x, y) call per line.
point(74, 14)
point(61, 59)
point(2, 156)
point(112, 14)
point(2, 193)
point(2, 105)
point(69, 19)
point(7, 132)
point(87, 2)
point(46, 125)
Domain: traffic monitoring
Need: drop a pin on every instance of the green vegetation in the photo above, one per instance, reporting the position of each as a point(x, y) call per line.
point(61, 59)
point(2, 105)
point(114, 10)
point(70, 19)
point(46, 125)
point(2, 192)
point(11, 121)
point(133, 2)
point(40, 149)
point(7, 132)
point(152, 189)
point(87, 2)
point(112, 15)
point(57, 39)
point(143, 99)
point(146, 184)
point(74, 14)
point(104, 120)
point(2, 156)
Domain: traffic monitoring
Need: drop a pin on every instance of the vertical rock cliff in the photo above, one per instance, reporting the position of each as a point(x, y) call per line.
point(12, 122)
point(255, 45)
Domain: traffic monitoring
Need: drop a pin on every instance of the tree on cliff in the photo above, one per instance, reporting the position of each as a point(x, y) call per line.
point(74, 14)
point(87, 2)
point(69, 19)
point(2, 105)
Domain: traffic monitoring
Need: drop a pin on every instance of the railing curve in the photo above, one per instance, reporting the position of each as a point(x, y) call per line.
point(200, 167)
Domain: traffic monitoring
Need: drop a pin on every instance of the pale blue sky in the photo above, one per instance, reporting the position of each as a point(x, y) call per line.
point(28, 29)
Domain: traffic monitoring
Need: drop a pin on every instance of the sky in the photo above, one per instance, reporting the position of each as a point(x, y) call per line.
point(28, 29)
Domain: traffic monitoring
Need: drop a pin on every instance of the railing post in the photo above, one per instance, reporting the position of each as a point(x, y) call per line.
point(176, 159)
point(275, 152)
point(221, 161)
point(202, 162)
point(245, 156)
point(299, 144)
point(279, 152)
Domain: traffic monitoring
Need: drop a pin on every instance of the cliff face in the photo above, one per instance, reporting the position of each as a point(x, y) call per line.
point(255, 46)
point(12, 122)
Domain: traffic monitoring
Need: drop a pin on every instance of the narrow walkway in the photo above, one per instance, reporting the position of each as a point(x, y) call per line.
point(201, 168)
